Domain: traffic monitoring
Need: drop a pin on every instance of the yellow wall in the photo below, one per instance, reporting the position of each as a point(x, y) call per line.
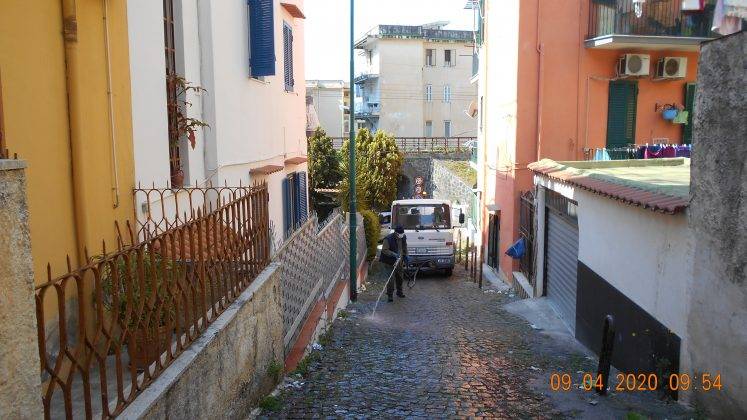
point(37, 123)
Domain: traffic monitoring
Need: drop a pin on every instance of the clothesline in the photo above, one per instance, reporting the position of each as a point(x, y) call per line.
point(647, 151)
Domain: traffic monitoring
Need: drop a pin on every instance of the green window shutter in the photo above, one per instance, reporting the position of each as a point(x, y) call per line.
point(621, 113)
point(687, 130)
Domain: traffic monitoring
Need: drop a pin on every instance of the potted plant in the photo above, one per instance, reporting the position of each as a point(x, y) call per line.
point(144, 308)
point(181, 124)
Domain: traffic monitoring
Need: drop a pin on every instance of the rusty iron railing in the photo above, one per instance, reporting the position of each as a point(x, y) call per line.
point(106, 330)
point(425, 144)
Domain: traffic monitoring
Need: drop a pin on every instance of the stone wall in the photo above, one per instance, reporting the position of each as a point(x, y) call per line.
point(717, 214)
point(225, 371)
point(448, 186)
point(421, 164)
point(20, 388)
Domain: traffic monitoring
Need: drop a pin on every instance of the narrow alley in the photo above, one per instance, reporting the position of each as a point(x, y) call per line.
point(448, 349)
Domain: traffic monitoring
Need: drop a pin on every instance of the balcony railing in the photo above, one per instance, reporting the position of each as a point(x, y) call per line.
point(648, 18)
point(425, 144)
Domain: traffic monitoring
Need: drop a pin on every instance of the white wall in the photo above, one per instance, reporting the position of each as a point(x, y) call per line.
point(328, 102)
point(252, 122)
point(646, 255)
point(148, 76)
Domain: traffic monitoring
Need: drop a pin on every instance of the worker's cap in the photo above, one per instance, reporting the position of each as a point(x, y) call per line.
point(399, 229)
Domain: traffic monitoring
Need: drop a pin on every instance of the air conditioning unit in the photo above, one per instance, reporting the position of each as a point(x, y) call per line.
point(671, 68)
point(633, 65)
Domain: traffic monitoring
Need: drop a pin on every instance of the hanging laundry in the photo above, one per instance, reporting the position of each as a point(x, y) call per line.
point(727, 24)
point(736, 8)
point(601, 154)
point(681, 117)
point(684, 151)
point(693, 5)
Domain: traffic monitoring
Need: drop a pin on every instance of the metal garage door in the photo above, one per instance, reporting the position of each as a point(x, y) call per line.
point(561, 263)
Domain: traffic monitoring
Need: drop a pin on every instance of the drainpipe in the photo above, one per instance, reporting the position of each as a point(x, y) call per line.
point(540, 77)
point(75, 117)
point(110, 103)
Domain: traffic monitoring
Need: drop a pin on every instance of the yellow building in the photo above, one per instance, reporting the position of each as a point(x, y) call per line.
point(65, 86)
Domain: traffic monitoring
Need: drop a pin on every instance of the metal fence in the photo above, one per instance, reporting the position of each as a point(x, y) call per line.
point(651, 18)
point(526, 230)
point(425, 144)
point(106, 330)
point(313, 260)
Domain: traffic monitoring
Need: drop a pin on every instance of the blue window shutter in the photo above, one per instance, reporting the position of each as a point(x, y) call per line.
point(302, 202)
point(262, 37)
point(288, 56)
point(287, 219)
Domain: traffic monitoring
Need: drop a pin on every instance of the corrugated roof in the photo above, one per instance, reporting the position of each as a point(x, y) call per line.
point(661, 185)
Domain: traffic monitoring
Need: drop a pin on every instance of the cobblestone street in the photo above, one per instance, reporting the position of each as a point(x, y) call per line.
point(447, 350)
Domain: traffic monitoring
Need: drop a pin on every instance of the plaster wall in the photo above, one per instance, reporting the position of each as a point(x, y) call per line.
point(499, 57)
point(641, 253)
point(37, 118)
point(718, 210)
point(252, 121)
point(148, 69)
point(328, 103)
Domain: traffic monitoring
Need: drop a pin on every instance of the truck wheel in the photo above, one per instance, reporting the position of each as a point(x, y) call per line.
point(449, 271)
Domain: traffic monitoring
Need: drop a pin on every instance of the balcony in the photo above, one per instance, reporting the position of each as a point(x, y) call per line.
point(647, 24)
point(364, 77)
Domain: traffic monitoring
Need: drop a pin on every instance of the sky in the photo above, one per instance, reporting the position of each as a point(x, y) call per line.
point(328, 32)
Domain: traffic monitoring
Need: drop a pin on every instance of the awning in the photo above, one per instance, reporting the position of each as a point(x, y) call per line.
point(266, 170)
point(296, 160)
point(293, 10)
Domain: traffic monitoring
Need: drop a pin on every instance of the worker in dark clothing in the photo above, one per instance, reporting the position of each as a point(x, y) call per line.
point(394, 246)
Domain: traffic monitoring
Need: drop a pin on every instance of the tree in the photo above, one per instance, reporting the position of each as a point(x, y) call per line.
point(378, 165)
point(324, 167)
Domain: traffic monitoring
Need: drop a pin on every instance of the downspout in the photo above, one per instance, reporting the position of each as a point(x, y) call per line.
point(110, 103)
point(540, 77)
point(74, 115)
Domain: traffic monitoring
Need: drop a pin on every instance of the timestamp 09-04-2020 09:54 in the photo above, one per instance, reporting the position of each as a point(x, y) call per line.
point(639, 382)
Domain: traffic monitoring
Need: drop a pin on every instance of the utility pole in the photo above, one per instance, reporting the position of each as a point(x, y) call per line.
point(351, 166)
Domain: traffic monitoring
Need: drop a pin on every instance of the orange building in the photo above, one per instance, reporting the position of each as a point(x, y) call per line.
point(559, 79)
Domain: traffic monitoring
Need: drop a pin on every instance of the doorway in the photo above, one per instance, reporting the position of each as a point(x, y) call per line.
point(494, 226)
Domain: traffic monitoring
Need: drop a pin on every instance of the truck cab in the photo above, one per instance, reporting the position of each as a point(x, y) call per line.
point(429, 229)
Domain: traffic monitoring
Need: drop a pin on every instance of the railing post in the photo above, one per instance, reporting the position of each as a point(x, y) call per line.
point(20, 389)
point(466, 256)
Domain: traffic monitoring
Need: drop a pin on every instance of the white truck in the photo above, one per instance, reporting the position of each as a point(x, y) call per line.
point(429, 227)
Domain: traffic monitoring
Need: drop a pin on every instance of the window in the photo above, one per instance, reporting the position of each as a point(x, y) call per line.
point(261, 38)
point(369, 57)
point(447, 128)
point(428, 93)
point(430, 57)
point(428, 129)
point(295, 205)
point(422, 216)
point(447, 93)
point(449, 58)
point(288, 56)
point(621, 113)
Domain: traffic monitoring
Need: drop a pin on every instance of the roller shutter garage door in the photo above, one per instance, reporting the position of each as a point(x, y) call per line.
point(562, 261)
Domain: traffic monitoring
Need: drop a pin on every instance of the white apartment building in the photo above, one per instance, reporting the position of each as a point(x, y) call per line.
point(415, 81)
point(249, 57)
point(330, 100)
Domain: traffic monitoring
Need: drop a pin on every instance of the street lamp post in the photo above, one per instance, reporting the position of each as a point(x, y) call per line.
point(351, 165)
